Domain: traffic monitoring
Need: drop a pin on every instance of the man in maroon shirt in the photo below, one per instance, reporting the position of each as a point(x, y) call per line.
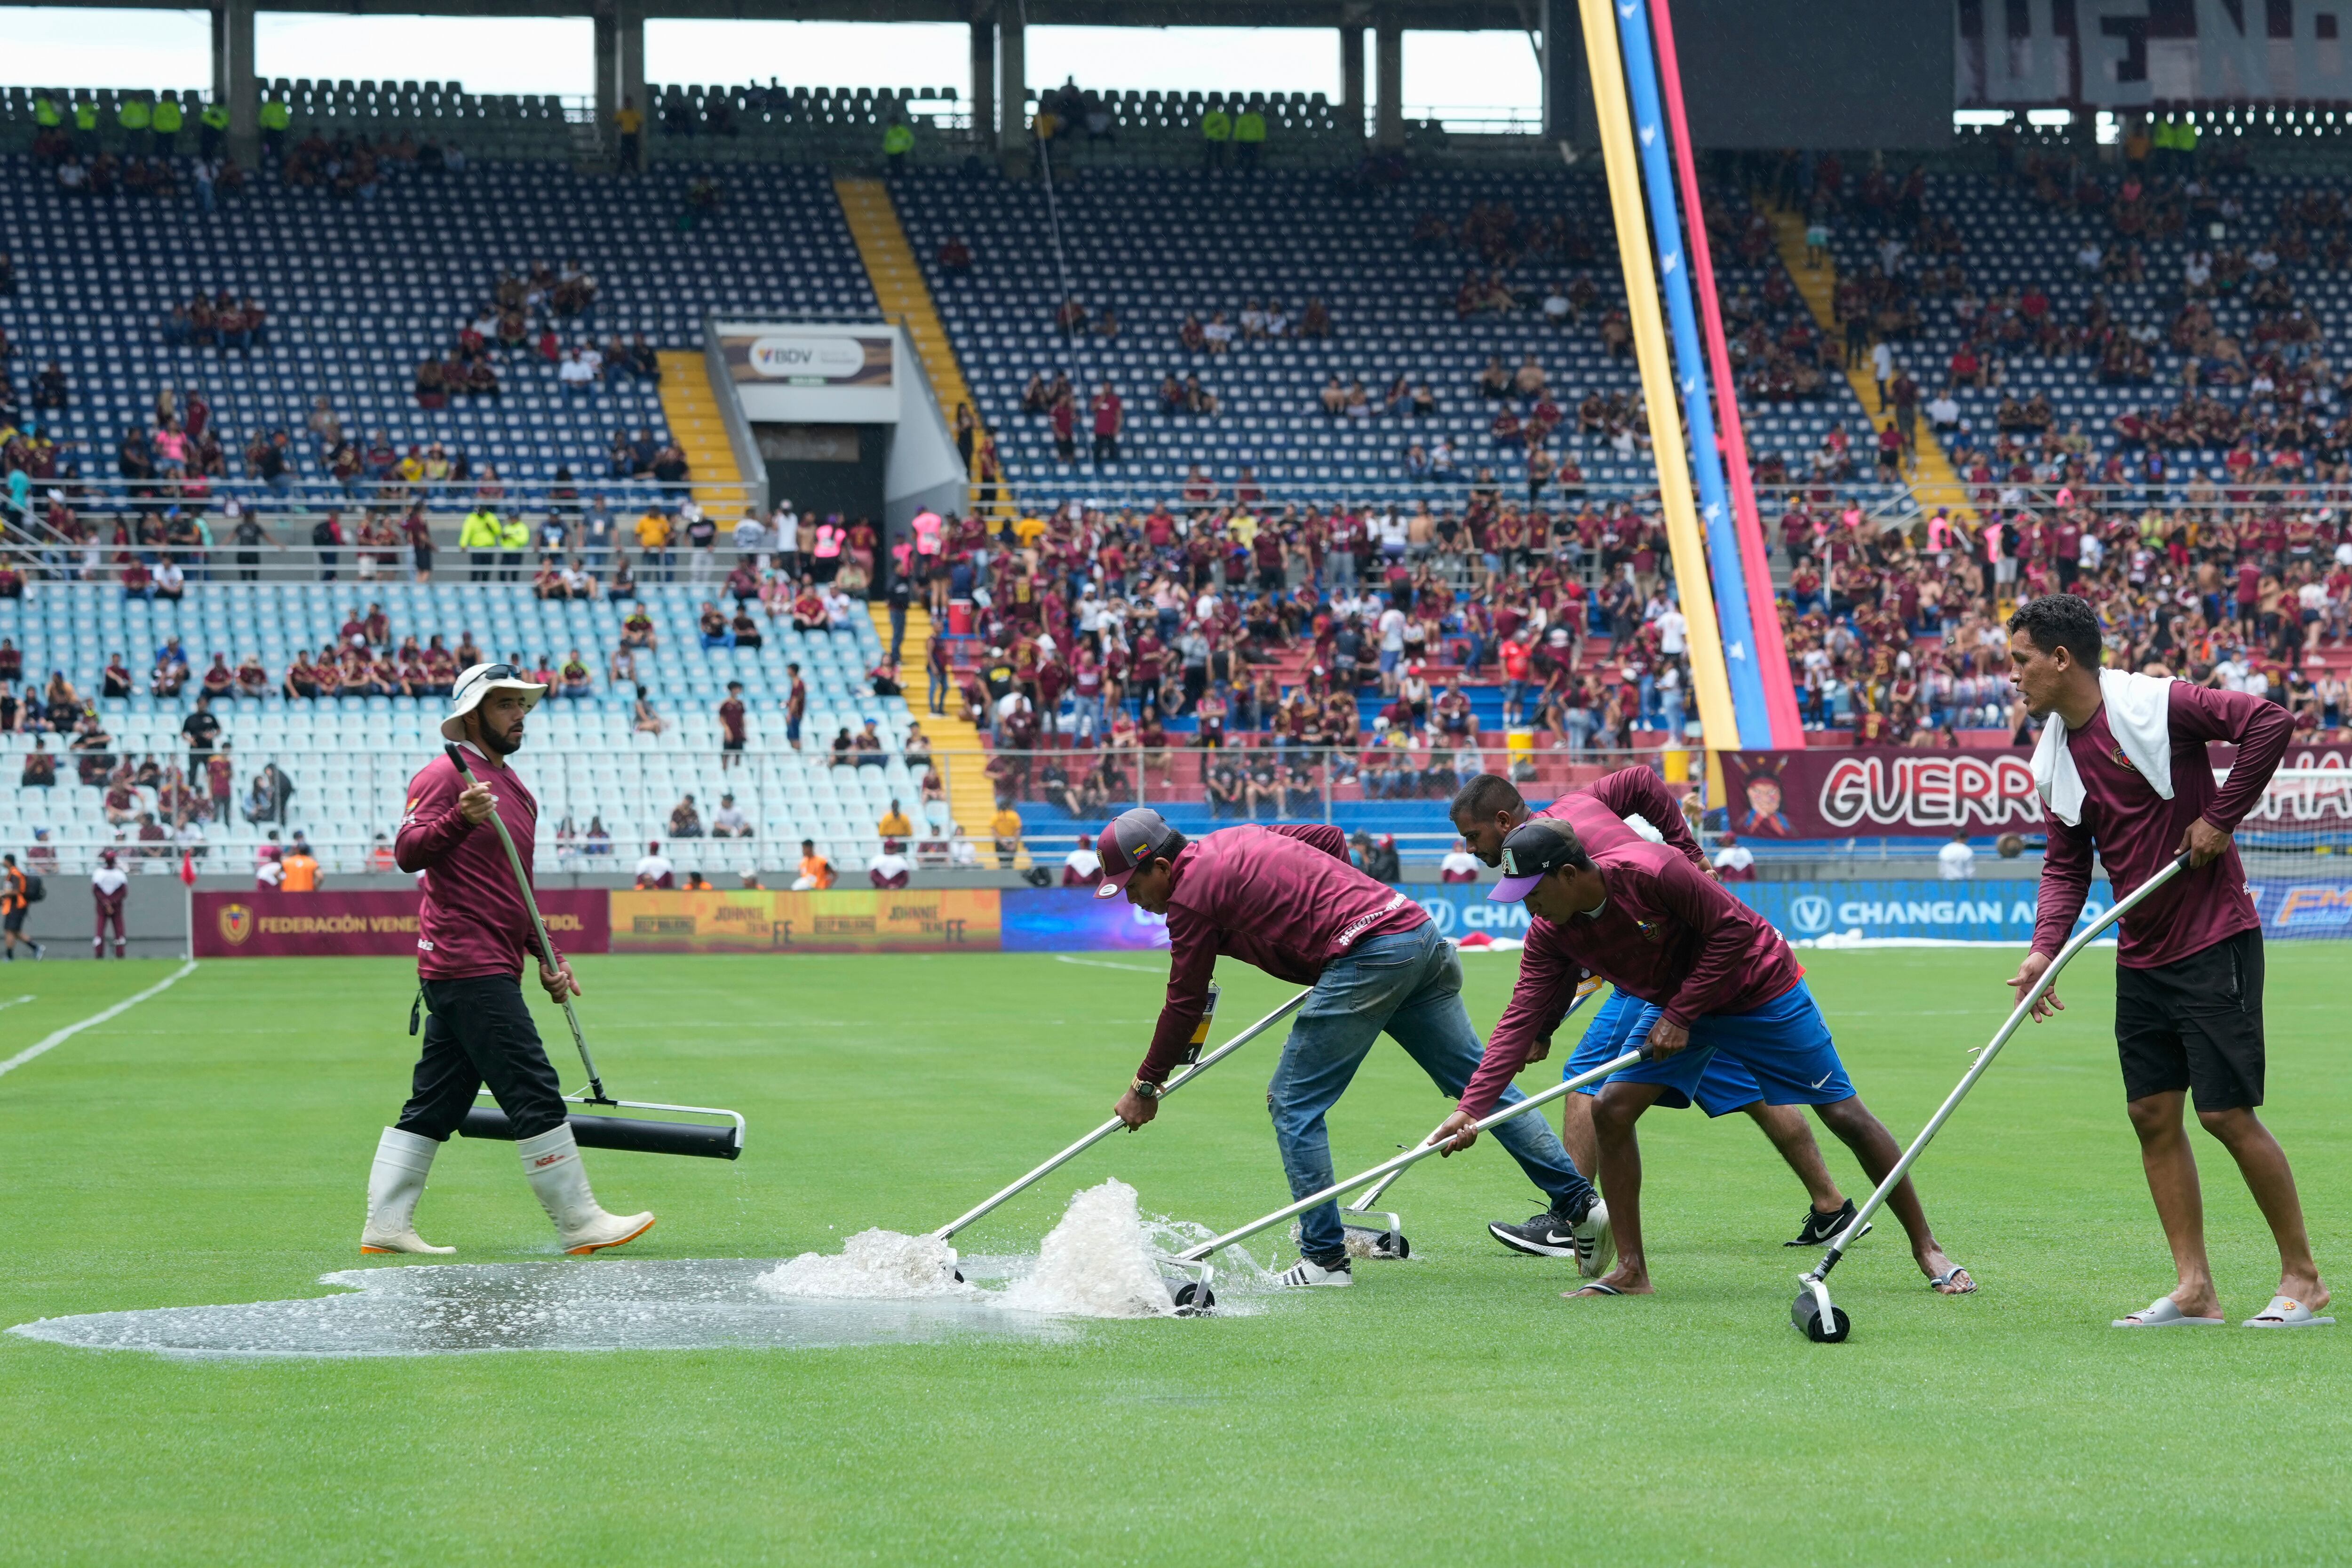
point(1287, 899)
point(2188, 961)
point(1720, 983)
point(731, 730)
point(1607, 813)
point(473, 933)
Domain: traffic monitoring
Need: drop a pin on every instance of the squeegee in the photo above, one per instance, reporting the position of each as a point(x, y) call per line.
point(717, 1141)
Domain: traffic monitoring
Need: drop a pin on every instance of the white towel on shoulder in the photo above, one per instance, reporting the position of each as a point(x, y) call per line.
point(2139, 713)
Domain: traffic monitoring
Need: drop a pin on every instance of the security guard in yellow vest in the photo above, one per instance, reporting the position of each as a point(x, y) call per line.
point(478, 537)
point(276, 116)
point(514, 539)
point(85, 114)
point(897, 140)
point(47, 113)
point(212, 129)
point(1249, 135)
point(1216, 130)
point(135, 118)
point(166, 119)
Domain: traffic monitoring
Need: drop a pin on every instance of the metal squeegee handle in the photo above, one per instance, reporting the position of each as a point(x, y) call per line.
point(538, 927)
point(1385, 1182)
point(1415, 1156)
point(1114, 1124)
point(2017, 1015)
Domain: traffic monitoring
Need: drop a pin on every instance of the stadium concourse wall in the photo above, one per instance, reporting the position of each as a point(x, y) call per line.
point(1059, 920)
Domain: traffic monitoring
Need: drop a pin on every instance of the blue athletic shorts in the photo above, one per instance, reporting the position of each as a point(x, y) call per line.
point(1623, 1020)
point(1785, 1044)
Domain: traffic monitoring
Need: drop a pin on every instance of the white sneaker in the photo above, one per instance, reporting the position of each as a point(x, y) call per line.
point(396, 1182)
point(1307, 1271)
point(1596, 1244)
point(550, 1162)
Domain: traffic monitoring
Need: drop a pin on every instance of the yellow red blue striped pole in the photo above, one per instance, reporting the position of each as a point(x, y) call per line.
point(1710, 679)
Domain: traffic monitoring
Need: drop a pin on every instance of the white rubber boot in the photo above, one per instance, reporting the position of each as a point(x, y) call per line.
point(403, 1160)
point(552, 1163)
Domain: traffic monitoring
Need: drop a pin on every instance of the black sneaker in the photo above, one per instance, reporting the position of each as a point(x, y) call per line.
point(1821, 1227)
point(1551, 1234)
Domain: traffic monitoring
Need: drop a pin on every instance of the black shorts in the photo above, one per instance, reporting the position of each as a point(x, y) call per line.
point(478, 1033)
point(13, 920)
point(2197, 1025)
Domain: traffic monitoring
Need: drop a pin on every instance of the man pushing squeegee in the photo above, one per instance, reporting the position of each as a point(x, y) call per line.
point(1287, 899)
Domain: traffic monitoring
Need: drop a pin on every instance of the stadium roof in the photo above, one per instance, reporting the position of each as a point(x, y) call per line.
point(1449, 16)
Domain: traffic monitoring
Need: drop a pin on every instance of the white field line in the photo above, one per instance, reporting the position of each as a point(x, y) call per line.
point(50, 1042)
point(17, 1001)
point(1105, 963)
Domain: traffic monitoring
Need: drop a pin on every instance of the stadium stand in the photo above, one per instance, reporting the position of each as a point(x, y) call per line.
point(1426, 282)
point(1536, 632)
point(360, 292)
point(348, 759)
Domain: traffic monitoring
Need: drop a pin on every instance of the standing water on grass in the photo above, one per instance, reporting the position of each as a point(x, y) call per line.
point(1103, 1259)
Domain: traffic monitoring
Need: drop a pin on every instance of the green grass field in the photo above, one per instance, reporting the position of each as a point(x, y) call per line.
point(211, 1146)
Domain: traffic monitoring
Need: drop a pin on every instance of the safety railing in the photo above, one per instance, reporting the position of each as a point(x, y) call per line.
point(602, 801)
point(211, 496)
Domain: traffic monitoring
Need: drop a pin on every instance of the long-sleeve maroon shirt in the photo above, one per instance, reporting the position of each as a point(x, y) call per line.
point(1285, 898)
point(2136, 830)
point(472, 921)
point(1549, 975)
point(1666, 933)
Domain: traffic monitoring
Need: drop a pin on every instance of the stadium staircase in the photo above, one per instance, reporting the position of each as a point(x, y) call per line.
point(971, 798)
point(692, 409)
point(898, 286)
point(1935, 483)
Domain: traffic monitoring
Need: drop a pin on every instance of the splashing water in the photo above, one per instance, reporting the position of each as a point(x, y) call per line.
point(873, 1264)
point(1095, 1263)
point(1103, 1259)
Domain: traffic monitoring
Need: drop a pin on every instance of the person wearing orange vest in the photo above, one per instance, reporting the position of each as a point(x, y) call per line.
point(16, 901)
point(816, 871)
point(300, 871)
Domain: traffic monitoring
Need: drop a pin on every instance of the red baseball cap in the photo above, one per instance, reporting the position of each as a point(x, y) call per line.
point(1133, 840)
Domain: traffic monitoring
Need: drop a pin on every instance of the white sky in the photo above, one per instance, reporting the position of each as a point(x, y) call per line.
point(54, 47)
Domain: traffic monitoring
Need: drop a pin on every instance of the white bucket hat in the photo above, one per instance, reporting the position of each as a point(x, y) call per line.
point(478, 683)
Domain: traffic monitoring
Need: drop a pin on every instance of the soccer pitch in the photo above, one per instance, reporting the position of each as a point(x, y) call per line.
point(211, 1145)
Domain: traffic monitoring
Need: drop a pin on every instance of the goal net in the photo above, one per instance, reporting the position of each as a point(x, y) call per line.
point(2297, 848)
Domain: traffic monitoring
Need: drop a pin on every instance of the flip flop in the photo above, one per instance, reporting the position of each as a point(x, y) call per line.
point(1957, 1271)
point(2285, 1312)
point(2164, 1312)
point(1591, 1288)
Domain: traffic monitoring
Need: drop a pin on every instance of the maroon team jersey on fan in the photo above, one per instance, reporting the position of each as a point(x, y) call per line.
point(1285, 898)
point(1549, 975)
point(2136, 830)
point(472, 921)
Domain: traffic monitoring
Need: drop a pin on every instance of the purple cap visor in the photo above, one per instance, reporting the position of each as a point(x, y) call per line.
point(1532, 852)
point(1511, 889)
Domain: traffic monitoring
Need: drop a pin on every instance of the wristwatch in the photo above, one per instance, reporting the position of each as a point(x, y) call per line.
point(1144, 1088)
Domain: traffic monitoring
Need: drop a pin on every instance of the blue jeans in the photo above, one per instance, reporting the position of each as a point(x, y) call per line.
point(1408, 984)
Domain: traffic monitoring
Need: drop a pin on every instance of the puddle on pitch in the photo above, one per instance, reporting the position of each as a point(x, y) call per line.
point(608, 1305)
point(1103, 1259)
